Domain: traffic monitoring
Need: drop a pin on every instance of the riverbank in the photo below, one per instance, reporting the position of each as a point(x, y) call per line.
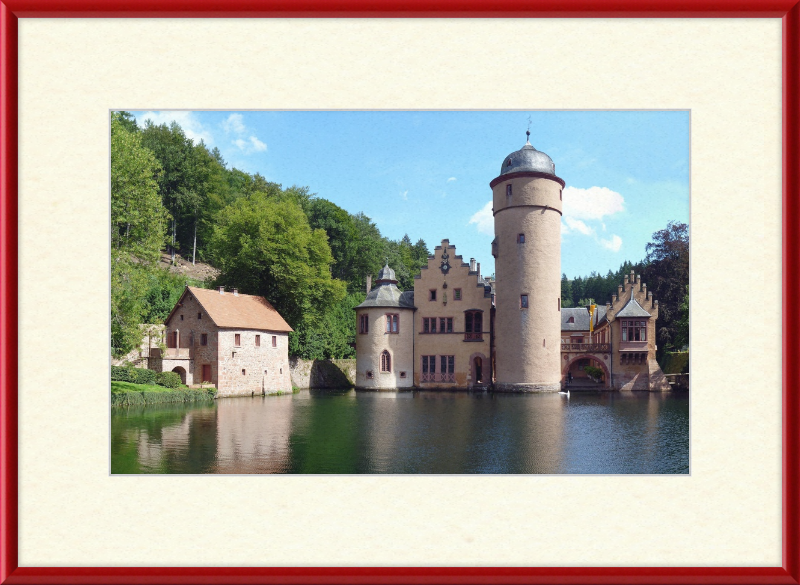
point(130, 394)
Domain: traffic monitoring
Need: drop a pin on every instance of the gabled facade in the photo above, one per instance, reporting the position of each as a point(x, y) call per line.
point(239, 343)
point(622, 343)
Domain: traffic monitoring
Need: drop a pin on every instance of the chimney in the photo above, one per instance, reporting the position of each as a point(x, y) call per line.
point(236, 292)
point(369, 283)
point(472, 264)
point(222, 290)
point(478, 269)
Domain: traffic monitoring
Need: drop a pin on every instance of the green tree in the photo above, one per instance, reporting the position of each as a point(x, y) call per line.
point(264, 245)
point(138, 225)
point(666, 272)
point(682, 323)
point(566, 292)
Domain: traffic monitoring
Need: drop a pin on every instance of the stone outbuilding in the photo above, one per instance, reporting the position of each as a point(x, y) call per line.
point(237, 342)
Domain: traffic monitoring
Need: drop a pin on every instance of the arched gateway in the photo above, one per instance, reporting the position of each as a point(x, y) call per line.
point(576, 365)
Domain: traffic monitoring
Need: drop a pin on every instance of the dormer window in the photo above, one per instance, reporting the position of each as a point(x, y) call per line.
point(571, 320)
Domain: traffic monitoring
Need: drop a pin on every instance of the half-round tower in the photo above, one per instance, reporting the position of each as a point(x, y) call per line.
point(385, 336)
point(527, 198)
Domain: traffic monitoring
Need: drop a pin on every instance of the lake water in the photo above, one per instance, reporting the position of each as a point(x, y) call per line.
point(407, 432)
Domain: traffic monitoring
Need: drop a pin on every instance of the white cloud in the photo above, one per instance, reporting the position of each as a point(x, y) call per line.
point(592, 203)
point(404, 195)
point(484, 220)
point(451, 179)
point(578, 226)
point(614, 244)
point(186, 120)
point(234, 124)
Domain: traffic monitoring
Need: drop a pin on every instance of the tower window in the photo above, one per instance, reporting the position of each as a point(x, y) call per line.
point(274, 341)
point(258, 341)
point(508, 190)
point(392, 323)
point(523, 301)
point(386, 361)
point(363, 324)
point(237, 339)
point(520, 238)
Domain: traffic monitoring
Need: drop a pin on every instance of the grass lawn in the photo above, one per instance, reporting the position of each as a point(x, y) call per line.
point(117, 387)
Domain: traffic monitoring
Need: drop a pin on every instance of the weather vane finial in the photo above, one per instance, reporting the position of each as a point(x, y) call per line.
point(387, 261)
point(528, 132)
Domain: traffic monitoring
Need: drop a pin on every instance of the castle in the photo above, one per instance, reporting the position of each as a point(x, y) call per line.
point(457, 329)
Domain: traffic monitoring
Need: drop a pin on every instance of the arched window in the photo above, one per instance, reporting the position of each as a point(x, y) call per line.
point(386, 361)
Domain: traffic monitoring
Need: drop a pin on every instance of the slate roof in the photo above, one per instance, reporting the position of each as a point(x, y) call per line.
point(238, 311)
point(581, 315)
point(386, 294)
point(632, 309)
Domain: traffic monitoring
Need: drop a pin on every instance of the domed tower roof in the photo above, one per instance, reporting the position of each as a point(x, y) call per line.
point(528, 159)
point(386, 275)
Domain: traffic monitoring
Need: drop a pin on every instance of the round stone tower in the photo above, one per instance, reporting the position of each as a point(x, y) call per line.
point(527, 199)
point(385, 336)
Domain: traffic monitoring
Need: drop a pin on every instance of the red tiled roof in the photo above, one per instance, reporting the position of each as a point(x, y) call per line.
point(239, 311)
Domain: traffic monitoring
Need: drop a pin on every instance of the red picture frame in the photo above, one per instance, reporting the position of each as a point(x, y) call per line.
point(11, 10)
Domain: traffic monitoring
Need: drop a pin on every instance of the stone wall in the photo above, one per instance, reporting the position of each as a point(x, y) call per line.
point(322, 373)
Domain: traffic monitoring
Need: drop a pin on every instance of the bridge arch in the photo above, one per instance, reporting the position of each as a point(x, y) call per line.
point(596, 359)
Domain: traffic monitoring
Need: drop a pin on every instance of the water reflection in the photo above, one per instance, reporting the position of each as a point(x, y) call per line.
point(407, 432)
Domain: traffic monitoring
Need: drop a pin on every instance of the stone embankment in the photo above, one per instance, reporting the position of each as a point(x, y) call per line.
point(322, 373)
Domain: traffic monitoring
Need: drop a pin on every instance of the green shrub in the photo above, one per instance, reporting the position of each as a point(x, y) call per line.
point(594, 373)
point(168, 379)
point(144, 376)
point(123, 374)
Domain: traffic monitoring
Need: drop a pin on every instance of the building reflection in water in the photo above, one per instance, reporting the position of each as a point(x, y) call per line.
point(253, 434)
point(407, 432)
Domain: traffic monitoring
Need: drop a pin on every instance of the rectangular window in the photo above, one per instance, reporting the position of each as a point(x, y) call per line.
point(523, 301)
point(508, 190)
point(449, 324)
point(363, 323)
point(181, 317)
point(204, 339)
point(206, 372)
point(447, 364)
point(258, 341)
point(520, 238)
point(392, 323)
point(433, 325)
point(429, 364)
point(426, 325)
point(172, 340)
point(432, 295)
point(442, 324)
point(243, 371)
point(274, 341)
point(199, 315)
point(237, 339)
point(457, 294)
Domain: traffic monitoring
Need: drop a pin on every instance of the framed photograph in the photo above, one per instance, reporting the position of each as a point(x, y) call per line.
point(732, 67)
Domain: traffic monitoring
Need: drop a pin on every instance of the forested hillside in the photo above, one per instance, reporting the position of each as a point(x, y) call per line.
point(305, 254)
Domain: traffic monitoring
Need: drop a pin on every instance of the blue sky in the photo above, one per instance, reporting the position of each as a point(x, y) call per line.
point(427, 173)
